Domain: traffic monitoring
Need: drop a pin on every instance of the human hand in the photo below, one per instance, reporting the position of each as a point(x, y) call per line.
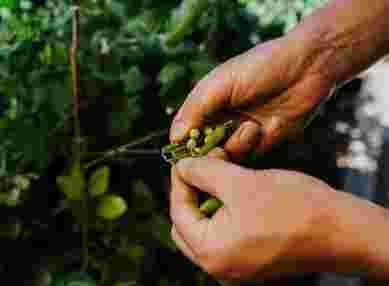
point(273, 85)
point(273, 222)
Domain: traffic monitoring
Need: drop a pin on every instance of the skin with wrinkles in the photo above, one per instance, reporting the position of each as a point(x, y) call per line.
point(275, 83)
point(274, 221)
point(291, 223)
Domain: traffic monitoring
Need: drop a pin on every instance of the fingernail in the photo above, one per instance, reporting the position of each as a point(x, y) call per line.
point(184, 163)
point(179, 131)
point(250, 133)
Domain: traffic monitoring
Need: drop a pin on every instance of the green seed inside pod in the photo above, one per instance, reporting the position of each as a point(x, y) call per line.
point(195, 134)
point(208, 139)
point(208, 131)
point(212, 141)
point(191, 144)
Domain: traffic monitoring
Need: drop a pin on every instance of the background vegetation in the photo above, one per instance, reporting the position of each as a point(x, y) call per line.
point(61, 209)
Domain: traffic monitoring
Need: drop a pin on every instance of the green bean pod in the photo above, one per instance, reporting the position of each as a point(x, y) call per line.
point(210, 206)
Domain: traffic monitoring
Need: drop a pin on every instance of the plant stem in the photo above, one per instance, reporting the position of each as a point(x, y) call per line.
point(124, 148)
point(75, 69)
point(76, 79)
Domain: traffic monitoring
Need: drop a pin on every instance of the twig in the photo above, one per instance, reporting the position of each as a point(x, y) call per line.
point(75, 68)
point(124, 148)
point(76, 78)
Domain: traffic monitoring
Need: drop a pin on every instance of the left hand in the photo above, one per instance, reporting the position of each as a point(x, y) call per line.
point(273, 222)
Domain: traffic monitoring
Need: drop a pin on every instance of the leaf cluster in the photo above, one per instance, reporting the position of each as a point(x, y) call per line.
point(138, 61)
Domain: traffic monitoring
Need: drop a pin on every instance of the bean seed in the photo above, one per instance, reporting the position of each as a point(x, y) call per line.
point(208, 131)
point(195, 133)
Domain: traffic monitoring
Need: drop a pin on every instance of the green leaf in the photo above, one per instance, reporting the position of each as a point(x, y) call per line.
point(111, 207)
point(136, 24)
point(134, 107)
point(120, 121)
point(171, 73)
point(14, 198)
point(9, 4)
point(99, 181)
point(35, 149)
point(189, 12)
point(61, 21)
point(74, 279)
point(11, 230)
point(118, 9)
point(74, 184)
point(201, 68)
point(39, 97)
point(42, 278)
point(136, 253)
point(143, 202)
point(134, 81)
point(46, 54)
point(60, 96)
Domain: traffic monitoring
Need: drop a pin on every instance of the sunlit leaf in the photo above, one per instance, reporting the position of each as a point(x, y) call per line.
point(99, 181)
point(72, 185)
point(111, 207)
point(171, 72)
point(134, 81)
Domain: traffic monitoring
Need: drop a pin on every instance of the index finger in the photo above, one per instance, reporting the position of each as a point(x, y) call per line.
point(235, 84)
point(210, 96)
point(216, 177)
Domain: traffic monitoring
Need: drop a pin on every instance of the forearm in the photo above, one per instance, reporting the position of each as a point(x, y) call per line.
point(344, 37)
point(339, 41)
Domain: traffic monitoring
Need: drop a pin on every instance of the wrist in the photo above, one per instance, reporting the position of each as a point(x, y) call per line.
point(377, 237)
point(342, 48)
point(360, 237)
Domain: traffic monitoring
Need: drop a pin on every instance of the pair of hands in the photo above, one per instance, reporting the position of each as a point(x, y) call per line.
point(273, 221)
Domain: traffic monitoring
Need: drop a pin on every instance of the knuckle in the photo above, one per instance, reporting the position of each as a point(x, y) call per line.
point(233, 275)
point(214, 266)
point(210, 260)
point(219, 267)
point(204, 255)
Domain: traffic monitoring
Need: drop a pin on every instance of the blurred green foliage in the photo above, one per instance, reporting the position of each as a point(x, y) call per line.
point(138, 59)
point(280, 13)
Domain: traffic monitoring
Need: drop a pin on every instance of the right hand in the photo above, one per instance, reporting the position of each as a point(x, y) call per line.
point(273, 84)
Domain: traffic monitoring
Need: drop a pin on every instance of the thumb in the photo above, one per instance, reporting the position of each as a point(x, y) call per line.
point(214, 176)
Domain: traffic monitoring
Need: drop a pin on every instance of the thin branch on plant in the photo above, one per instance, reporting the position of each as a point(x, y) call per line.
point(76, 78)
point(121, 150)
point(75, 68)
